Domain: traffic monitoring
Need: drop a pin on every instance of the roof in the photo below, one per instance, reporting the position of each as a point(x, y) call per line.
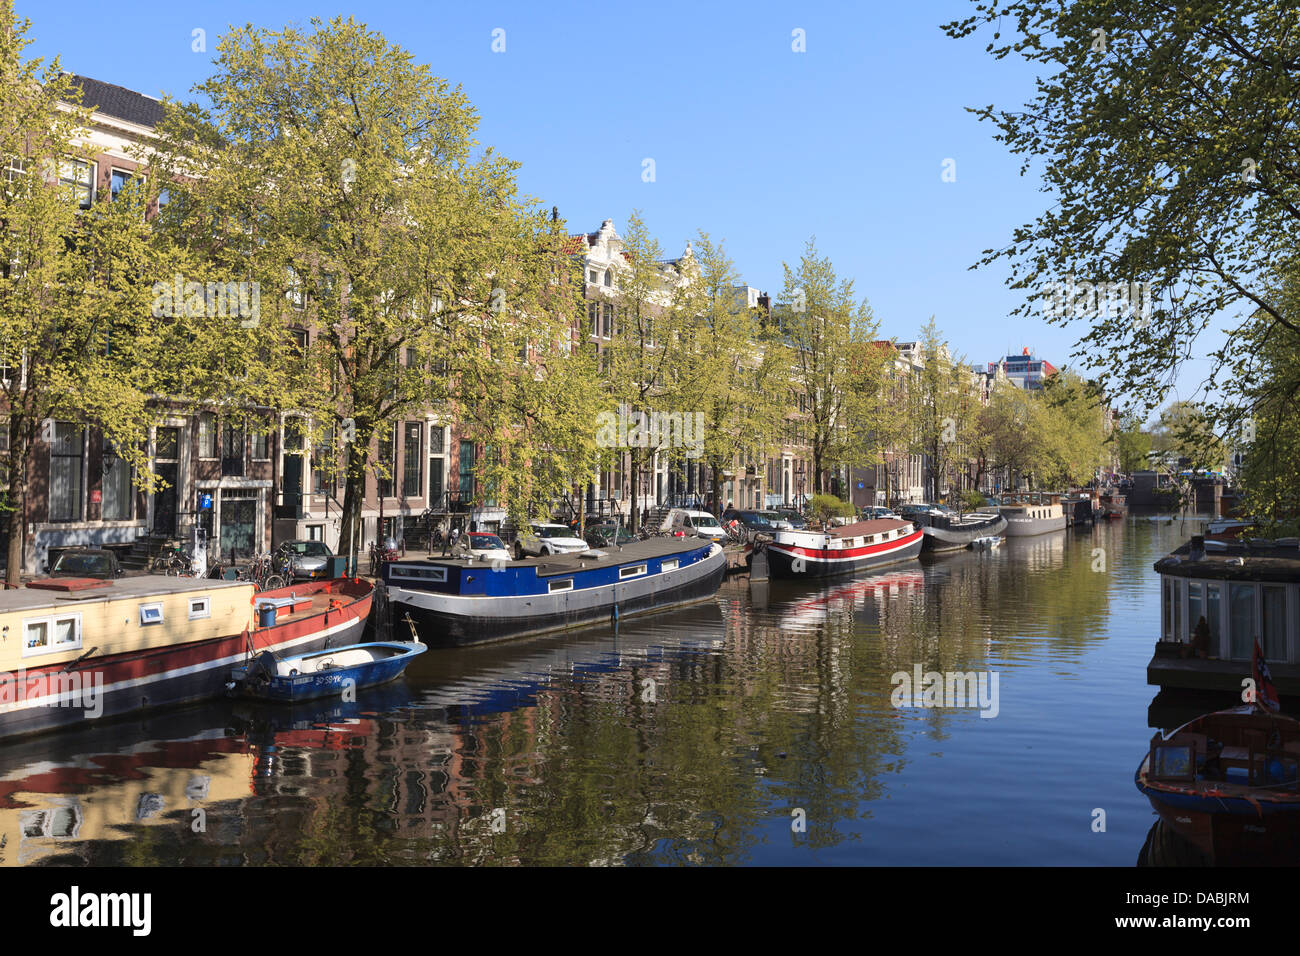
point(119, 589)
point(118, 101)
point(874, 526)
point(1254, 560)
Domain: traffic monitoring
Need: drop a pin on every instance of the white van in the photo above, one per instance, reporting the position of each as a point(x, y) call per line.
point(701, 524)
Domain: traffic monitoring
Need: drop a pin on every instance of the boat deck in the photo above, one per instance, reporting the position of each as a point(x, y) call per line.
point(580, 560)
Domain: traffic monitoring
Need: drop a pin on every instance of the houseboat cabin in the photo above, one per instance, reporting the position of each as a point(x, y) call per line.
point(1243, 590)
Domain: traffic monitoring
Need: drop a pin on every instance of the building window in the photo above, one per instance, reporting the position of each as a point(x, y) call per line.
point(466, 469)
point(315, 532)
point(412, 453)
point(65, 472)
point(117, 181)
point(232, 450)
point(1241, 620)
point(593, 318)
point(322, 462)
point(261, 445)
point(207, 435)
point(77, 179)
point(115, 485)
point(387, 464)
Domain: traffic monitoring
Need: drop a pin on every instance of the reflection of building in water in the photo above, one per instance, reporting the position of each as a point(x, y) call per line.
point(49, 809)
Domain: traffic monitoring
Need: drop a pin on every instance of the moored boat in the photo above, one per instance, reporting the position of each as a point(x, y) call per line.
point(327, 673)
point(1227, 782)
point(950, 532)
point(91, 648)
point(843, 550)
point(454, 602)
point(986, 543)
point(1033, 515)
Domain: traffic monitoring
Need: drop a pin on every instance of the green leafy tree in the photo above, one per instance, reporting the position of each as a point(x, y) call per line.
point(79, 340)
point(345, 179)
point(826, 327)
point(1168, 142)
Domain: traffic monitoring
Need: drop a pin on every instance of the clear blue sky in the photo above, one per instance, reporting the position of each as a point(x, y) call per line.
point(753, 143)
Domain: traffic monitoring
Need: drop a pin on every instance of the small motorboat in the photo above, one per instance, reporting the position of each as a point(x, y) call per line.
point(986, 543)
point(326, 673)
point(1160, 519)
point(1228, 783)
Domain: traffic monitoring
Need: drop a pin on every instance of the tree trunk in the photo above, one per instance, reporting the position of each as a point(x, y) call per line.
point(18, 506)
point(353, 500)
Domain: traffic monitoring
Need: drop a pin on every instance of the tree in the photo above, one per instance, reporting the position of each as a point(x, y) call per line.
point(736, 363)
point(1170, 152)
point(648, 363)
point(944, 410)
point(345, 179)
point(1016, 423)
point(1133, 443)
point(79, 343)
point(1076, 429)
point(825, 328)
point(1184, 432)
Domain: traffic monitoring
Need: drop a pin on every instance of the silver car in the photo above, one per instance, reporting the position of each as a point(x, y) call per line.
point(308, 560)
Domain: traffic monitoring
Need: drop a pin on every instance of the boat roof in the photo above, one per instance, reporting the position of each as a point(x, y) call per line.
point(580, 560)
point(117, 589)
point(873, 526)
point(1252, 560)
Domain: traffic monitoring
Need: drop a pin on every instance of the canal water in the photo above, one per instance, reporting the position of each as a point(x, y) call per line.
point(758, 728)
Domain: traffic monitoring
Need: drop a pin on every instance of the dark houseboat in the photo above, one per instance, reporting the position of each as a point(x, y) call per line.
point(1242, 590)
point(950, 532)
point(457, 601)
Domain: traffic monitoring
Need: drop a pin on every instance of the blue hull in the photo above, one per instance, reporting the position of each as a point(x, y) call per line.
point(334, 681)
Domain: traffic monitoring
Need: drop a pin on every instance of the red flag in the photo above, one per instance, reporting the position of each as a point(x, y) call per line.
point(1265, 692)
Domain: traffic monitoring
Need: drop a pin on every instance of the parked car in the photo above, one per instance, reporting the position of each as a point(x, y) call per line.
point(544, 538)
point(308, 560)
point(875, 514)
point(754, 521)
point(701, 524)
point(482, 546)
point(85, 563)
point(608, 535)
point(797, 520)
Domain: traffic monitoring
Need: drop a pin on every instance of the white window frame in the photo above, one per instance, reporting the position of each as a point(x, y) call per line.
point(436, 574)
point(668, 564)
point(200, 607)
point(147, 614)
point(635, 571)
point(558, 587)
point(51, 621)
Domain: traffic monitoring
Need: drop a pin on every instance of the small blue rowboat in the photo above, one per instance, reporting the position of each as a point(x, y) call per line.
point(337, 671)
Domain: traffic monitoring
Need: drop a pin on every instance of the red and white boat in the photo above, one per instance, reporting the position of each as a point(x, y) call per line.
point(852, 547)
point(74, 650)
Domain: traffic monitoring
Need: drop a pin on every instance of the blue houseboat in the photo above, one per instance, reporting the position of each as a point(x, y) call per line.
point(458, 601)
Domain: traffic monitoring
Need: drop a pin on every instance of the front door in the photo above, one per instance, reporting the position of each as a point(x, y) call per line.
point(167, 466)
point(238, 528)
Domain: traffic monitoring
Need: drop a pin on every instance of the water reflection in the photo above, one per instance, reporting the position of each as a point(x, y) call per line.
point(706, 735)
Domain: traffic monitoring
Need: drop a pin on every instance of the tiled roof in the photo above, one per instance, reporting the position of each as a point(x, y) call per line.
point(119, 101)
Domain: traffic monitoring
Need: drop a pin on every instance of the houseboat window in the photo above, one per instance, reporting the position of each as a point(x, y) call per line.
point(632, 572)
point(200, 607)
point(1175, 603)
point(669, 565)
point(49, 634)
point(565, 585)
point(1166, 615)
point(1195, 605)
point(1213, 613)
point(423, 574)
point(36, 637)
point(151, 614)
point(1273, 607)
point(1241, 620)
point(871, 537)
